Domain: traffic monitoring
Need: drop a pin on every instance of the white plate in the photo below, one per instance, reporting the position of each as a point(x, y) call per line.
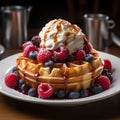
point(8, 63)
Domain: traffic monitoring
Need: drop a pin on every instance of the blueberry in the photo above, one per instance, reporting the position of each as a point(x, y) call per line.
point(14, 69)
point(70, 58)
point(61, 94)
point(16, 72)
point(33, 55)
point(74, 95)
point(49, 63)
point(24, 87)
point(97, 89)
point(20, 82)
point(84, 93)
point(89, 58)
point(32, 92)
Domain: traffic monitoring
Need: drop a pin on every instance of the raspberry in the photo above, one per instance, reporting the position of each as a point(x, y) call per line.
point(28, 49)
point(61, 53)
point(36, 40)
point(44, 55)
point(11, 80)
point(80, 55)
point(45, 91)
point(26, 44)
point(88, 46)
point(104, 82)
point(107, 65)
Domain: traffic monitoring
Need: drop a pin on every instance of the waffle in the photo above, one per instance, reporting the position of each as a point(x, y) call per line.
point(68, 76)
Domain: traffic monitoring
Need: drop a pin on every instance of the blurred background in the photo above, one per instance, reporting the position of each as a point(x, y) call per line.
point(71, 10)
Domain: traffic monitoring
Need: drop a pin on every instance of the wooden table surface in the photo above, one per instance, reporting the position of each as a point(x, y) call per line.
point(12, 109)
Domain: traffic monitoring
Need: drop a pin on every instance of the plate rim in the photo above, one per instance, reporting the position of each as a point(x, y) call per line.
point(66, 102)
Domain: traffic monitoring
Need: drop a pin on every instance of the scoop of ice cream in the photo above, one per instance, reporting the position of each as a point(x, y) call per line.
point(59, 32)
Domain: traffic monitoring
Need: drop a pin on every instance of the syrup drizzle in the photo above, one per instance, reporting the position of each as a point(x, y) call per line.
point(59, 23)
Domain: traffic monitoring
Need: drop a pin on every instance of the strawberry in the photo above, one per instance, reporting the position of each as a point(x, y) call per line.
point(104, 82)
point(11, 80)
point(107, 65)
point(45, 91)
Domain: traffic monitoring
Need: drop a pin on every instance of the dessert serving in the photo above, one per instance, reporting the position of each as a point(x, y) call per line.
point(60, 63)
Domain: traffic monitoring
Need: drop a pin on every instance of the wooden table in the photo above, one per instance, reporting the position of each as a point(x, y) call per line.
point(11, 109)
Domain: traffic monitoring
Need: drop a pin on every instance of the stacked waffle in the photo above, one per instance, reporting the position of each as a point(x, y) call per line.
point(69, 76)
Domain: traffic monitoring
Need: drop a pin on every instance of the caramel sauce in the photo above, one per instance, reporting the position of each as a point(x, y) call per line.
point(48, 30)
point(58, 30)
point(76, 29)
point(59, 26)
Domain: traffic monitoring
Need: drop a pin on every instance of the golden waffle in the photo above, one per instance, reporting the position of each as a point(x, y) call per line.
point(69, 76)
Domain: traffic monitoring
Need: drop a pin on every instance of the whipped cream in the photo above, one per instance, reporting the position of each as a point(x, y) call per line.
point(59, 32)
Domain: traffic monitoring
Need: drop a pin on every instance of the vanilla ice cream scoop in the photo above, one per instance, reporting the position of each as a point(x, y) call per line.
point(59, 32)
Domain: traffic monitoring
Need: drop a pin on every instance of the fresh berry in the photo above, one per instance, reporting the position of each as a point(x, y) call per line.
point(80, 55)
point(11, 80)
point(33, 55)
point(24, 88)
point(45, 90)
point(87, 47)
point(55, 60)
point(104, 72)
point(36, 40)
point(97, 88)
point(14, 69)
point(61, 94)
point(20, 82)
point(44, 55)
point(70, 58)
point(107, 65)
point(108, 74)
point(104, 82)
point(89, 58)
point(32, 92)
point(74, 95)
point(26, 44)
point(49, 63)
point(61, 53)
point(28, 49)
point(84, 93)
